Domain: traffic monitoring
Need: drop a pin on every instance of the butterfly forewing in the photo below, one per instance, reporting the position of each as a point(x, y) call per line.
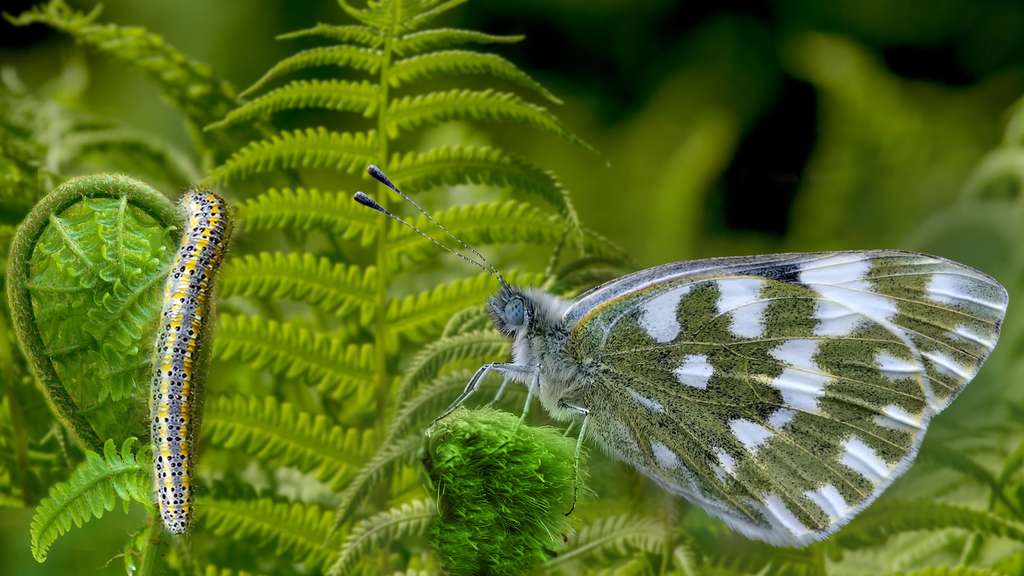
point(783, 393)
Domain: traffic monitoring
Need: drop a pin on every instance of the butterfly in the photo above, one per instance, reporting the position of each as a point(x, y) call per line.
point(781, 393)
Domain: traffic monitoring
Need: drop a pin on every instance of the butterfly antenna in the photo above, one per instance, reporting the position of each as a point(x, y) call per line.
point(379, 176)
point(369, 202)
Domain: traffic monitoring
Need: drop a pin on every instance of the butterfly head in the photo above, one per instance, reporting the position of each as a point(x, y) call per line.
point(510, 310)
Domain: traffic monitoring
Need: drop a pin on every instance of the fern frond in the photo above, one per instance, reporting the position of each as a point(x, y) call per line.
point(880, 522)
point(463, 62)
point(412, 112)
point(409, 519)
point(281, 435)
point(328, 286)
point(456, 165)
point(427, 11)
point(309, 148)
point(391, 454)
point(335, 366)
point(338, 95)
point(303, 209)
point(468, 320)
point(952, 571)
point(917, 553)
point(211, 570)
point(476, 347)
point(430, 40)
point(427, 403)
point(296, 530)
point(91, 491)
point(132, 143)
point(418, 316)
point(342, 56)
point(343, 34)
point(190, 86)
point(613, 534)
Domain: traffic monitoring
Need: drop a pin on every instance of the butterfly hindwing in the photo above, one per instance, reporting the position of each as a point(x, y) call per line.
point(783, 393)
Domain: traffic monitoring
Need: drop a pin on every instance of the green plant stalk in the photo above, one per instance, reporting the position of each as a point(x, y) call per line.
point(57, 396)
point(383, 382)
point(154, 545)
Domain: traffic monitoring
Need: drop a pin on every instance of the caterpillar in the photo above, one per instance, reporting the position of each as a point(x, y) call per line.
point(179, 346)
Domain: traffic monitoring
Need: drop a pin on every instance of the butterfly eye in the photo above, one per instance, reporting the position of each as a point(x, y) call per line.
point(515, 312)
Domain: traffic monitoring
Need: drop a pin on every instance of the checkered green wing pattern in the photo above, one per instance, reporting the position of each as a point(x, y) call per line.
point(782, 393)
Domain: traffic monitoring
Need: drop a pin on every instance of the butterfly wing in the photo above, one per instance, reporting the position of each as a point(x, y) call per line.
point(783, 393)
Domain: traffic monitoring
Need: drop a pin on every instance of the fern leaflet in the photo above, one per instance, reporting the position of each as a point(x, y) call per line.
point(306, 209)
point(430, 40)
point(465, 62)
point(338, 95)
point(613, 534)
point(409, 519)
point(342, 56)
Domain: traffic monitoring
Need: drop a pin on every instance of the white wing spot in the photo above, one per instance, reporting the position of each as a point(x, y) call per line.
point(800, 389)
point(751, 434)
point(829, 500)
point(835, 320)
point(664, 455)
point(695, 371)
point(968, 333)
point(780, 418)
point(660, 315)
point(897, 418)
point(739, 298)
point(947, 364)
point(838, 269)
point(953, 289)
point(784, 516)
point(798, 353)
point(726, 461)
point(894, 368)
point(863, 460)
point(652, 405)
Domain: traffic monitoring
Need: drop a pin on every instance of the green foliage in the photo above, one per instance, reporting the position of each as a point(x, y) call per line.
point(409, 519)
point(85, 277)
point(93, 489)
point(504, 491)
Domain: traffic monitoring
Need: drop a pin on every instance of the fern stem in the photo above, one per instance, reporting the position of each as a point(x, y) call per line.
point(153, 545)
point(20, 442)
point(383, 383)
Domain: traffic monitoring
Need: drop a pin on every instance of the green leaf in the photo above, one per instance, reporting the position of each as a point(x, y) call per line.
point(409, 519)
point(880, 522)
point(344, 34)
point(469, 348)
point(336, 367)
point(339, 95)
point(417, 317)
point(412, 112)
point(303, 209)
point(342, 56)
point(463, 62)
point(85, 285)
point(281, 435)
point(296, 530)
point(93, 489)
point(309, 148)
point(613, 535)
point(430, 40)
point(457, 165)
point(393, 452)
point(328, 286)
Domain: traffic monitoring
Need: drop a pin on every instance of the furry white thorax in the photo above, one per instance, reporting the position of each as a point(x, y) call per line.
point(540, 346)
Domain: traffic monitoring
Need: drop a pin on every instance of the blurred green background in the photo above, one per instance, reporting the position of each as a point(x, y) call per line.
point(724, 128)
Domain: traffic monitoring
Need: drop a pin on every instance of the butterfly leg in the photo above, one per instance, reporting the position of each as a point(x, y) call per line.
point(508, 370)
point(531, 388)
point(501, 389)
point(579, 451)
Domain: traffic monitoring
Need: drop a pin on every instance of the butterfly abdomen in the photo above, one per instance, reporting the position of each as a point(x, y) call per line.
point(179, 345)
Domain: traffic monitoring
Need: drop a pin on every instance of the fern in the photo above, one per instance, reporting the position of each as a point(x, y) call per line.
point(331, 287)
point(93, 489)
point(409, 519)
point(334, 366)
point(613, 535)
point(446, 62)
point(337, 95)
point(281, 435)
point(350, 33)
point(358, 58)
point(475, 347)
point(429, 40)
point(306, 209)
point(298, 531)
point(877, 523)
point(393, 453)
